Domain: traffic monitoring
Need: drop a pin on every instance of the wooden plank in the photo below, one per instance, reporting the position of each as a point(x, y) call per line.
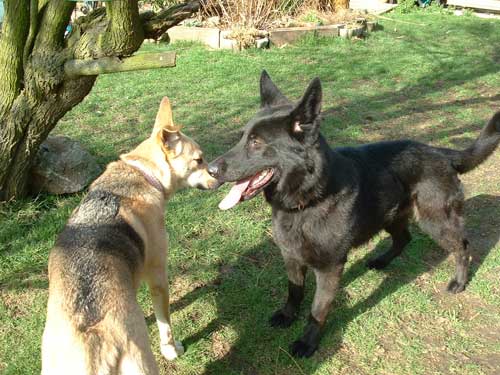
point(478, 4)
point(75, 68)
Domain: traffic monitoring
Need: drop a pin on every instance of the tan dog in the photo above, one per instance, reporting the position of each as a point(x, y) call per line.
point(113, 240)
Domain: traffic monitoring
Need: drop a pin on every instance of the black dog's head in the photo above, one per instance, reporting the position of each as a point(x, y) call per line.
point(274, 144)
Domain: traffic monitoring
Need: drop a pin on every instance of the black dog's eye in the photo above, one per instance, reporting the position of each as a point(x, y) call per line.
point(254, 141)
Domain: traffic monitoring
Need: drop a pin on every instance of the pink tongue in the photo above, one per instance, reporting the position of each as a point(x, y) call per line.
point(234, 195)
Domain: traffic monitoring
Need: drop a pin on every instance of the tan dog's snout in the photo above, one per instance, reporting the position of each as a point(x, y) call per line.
point(201, 179)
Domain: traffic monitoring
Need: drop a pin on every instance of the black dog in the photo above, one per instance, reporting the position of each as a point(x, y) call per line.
point(327, 201)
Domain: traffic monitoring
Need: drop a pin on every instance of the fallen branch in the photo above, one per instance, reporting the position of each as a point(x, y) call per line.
point(75, 68)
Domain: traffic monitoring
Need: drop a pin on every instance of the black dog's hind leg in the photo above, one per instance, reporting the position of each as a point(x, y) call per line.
point(443, 221)
point(327, 284)
point(450, 237)
point(400, 238)
point(285, 316)
point(462, 260)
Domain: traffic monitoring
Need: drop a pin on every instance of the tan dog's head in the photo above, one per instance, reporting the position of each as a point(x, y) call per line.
point(177, 160)
point(184, 156)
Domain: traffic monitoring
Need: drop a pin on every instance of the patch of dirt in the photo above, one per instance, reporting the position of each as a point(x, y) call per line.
point(18, 304)
point(182, 286)
point(469, 309)
point(220, 346)
point(488, 361)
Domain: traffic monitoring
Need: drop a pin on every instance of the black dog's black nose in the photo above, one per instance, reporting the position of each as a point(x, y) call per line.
point(213, 170)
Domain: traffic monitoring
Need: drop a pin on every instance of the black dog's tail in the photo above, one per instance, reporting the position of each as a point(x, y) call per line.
point(468, 159)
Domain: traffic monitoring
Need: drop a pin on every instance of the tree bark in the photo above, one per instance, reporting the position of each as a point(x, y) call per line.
point(35, 91)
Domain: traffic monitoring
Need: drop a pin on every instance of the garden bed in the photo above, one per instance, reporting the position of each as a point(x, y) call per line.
point(237, 39)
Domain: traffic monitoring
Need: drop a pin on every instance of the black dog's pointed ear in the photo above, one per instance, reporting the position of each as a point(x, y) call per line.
point(270, 95)
point(309, 107)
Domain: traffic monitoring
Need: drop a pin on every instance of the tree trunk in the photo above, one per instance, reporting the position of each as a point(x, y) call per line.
point(35, 90)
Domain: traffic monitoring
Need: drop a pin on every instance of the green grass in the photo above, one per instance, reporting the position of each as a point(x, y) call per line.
point(437, 83)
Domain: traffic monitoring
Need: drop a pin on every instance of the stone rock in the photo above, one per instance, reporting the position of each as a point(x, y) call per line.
point(62, 166)
point(262, 43)
point(351, 31)
point(226, 43)
point(345, 32)
point(371, 26)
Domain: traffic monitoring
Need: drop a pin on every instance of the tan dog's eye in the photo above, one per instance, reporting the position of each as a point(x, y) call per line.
point(199, 161)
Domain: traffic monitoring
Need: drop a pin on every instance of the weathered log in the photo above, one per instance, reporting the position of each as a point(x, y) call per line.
point(75, 68)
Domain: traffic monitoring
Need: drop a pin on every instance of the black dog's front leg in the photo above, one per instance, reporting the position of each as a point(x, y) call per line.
point(285, 316)
point(327, 284)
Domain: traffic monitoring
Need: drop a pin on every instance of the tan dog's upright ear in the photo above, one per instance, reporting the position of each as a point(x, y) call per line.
point(164, 118)
point(165, 131)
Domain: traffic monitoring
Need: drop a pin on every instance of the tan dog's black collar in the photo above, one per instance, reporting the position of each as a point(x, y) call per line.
point(153, 181)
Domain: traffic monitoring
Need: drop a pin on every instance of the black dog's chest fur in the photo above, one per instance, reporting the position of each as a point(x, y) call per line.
point(313, 236)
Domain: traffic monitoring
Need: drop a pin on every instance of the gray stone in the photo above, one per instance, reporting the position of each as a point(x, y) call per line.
point(371, 26)
point(344, 32)
point(351, 31)
point(62, 166)
point(225, 42)
point(262, 43)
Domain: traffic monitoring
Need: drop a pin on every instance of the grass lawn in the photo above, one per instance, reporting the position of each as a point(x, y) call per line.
point(437, 83)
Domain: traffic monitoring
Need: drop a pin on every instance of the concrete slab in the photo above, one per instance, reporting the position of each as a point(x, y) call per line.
point(205, 35)
point(330, 30)
point(287, 35)
point(371, 6)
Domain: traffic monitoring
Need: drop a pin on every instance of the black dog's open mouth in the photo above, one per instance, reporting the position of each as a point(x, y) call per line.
point(247, 188)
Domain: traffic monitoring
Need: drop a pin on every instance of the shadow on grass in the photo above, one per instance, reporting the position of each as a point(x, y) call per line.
point(404, 270)
point(28, 230)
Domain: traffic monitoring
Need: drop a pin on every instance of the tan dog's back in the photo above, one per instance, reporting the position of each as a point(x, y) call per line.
point(94, 324)
point(114, 239)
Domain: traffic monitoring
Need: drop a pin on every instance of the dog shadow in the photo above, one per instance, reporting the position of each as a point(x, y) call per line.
point(483, 231)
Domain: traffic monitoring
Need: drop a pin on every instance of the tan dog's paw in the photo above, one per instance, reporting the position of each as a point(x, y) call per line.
point(171, 352)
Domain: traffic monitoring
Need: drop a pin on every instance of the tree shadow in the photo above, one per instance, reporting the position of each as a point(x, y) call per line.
point(272, 293)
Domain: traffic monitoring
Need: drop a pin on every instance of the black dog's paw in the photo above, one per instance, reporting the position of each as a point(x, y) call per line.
point(455, 287)
point(377, 264)
point(301, 349)
point(282, 320)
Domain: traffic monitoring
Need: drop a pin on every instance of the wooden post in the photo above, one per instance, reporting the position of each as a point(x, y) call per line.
point(75, 68)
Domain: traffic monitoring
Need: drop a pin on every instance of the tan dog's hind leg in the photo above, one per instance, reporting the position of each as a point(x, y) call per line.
point(158, 285)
